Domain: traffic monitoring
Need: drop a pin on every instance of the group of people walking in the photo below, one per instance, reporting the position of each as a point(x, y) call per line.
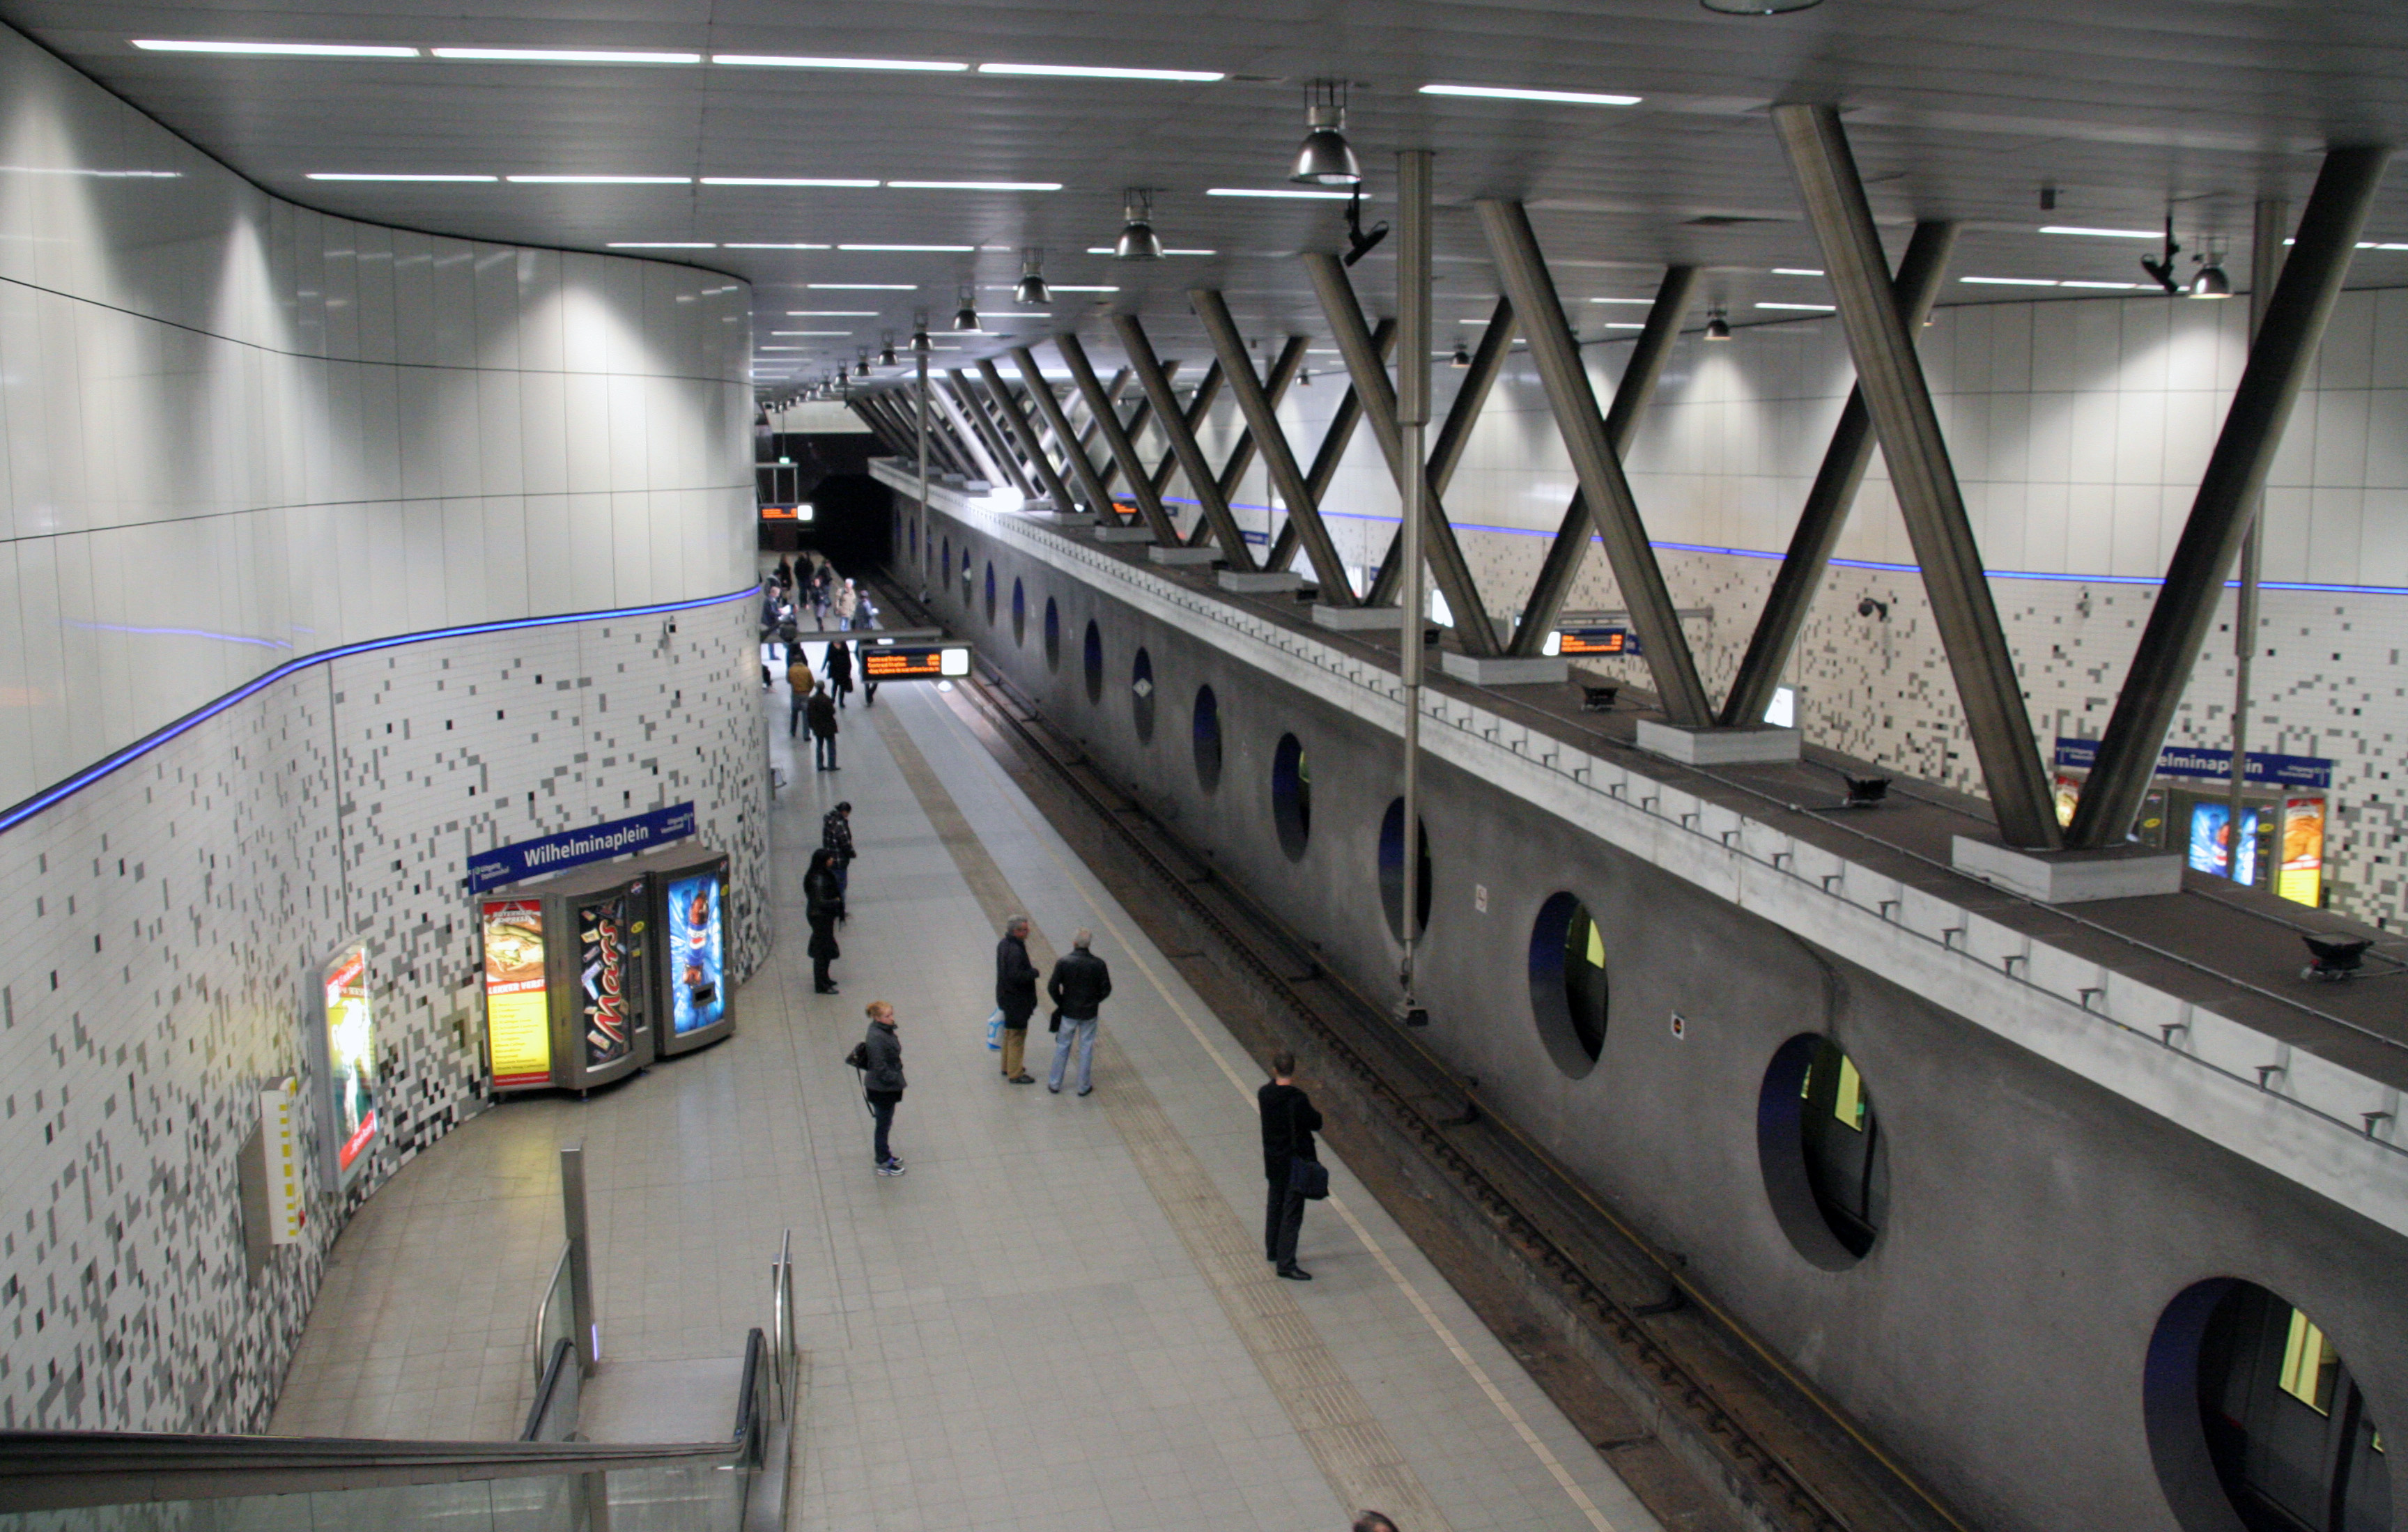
point(814, 581)
point(814, 703)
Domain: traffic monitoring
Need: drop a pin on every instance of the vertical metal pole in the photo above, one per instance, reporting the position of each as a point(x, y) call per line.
point(580, 1261)
point(1412, 420)
point(2265, 261)
point(920, 354)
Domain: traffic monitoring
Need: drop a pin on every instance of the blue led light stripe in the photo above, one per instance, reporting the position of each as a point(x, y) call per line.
point(67, 788)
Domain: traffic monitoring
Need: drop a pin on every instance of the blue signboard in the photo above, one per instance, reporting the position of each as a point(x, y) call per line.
point(2212, 764)
point(575, 848)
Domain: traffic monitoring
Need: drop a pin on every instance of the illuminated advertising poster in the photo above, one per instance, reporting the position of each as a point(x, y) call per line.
point(2301, 880)
point(603, 981)
point(351, 1057)
point(697, 947)
point(2212, 841)
point(518, 1015)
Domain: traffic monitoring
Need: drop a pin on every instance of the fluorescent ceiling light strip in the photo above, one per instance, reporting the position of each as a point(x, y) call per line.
point(293, 50)
point(1282, 193)
point(798, 61)
point(1051, 286)
point(601, 180)
point(2010, 281)
point(1625, 325)
point(864, 287)
point(1099, 71)
point(395, 176)
point(660, 244)
point(974, 185)
point(1516, 92)
point(1796, 271)
point(1640, 301)
point(773, 247)
point(1814, 308)
point(916, 249)
point(2103, 234)
point(561, 55)
point(803, 333)
point(829, 313)
point(783, 181)
point(2120, 287)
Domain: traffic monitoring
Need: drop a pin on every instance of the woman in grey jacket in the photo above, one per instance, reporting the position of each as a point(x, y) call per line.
point(883, 1082)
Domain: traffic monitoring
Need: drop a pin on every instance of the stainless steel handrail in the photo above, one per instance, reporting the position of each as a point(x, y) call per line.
point(543, 1311)
point(782, 1320)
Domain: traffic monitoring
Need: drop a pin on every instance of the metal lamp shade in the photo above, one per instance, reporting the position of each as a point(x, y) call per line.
point(965, 318)
point(1137, 242)
point(2209, 281)
point(1032, 289)
point(1325, 158)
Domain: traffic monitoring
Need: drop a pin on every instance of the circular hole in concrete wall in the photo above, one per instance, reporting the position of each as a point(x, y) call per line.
point(1567, 982)
point(945, 561)
point(2256, 1421)
point(911, 537)
point(1207, 735)
point(1292, 796)
point(1094, 662)
point(965, 572)
point(1141, 695)
point(990, 592)
point(1053, 636)
point(1019, 614)
point(1826, 1167)
point(1392, 870)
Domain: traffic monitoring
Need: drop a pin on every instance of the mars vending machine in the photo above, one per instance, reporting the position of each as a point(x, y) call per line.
point(690, 912)
point(568, 978)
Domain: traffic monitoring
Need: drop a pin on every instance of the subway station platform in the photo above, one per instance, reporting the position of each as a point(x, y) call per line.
point(1058, 1318)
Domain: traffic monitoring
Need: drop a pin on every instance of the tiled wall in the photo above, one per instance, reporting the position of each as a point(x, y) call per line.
point(2079, 430)
point(163, 925)
point(233, 431)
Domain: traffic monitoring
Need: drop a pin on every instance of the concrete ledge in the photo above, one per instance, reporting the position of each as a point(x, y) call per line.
point(1715, 746)
point(2117, 872)
point(1359, 618)
point(1188, 556)
point(1506, 670)
point(1068, 518)
point(1125, 533)
point(1256, 580)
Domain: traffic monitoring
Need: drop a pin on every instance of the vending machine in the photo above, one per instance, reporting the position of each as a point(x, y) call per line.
point(568, 978)
point(691, 996)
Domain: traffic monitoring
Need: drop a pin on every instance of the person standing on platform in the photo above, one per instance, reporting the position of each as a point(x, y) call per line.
point(819, 711)
point(848, 601)
point(1015, 995)
point(836, 837)
point(839, 667)
point(1289, 1122)
point(800, 685)
point(1080, 986)
point(823, 907)
point(785, 574)
point(884, 1083)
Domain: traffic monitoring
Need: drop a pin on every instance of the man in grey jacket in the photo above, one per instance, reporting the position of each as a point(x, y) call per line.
point(1080, 985)
point(883, 1082)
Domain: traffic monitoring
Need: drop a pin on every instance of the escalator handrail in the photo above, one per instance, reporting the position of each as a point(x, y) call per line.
point(54, 1471)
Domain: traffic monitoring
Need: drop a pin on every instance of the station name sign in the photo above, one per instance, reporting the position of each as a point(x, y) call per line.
point(575, 848)
point(2212, 764)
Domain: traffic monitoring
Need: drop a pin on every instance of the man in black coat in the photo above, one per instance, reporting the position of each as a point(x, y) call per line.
point(823, 907)
point(1015, 995)
point(1289, 1122)
point(819, 714)
point(1080, 985)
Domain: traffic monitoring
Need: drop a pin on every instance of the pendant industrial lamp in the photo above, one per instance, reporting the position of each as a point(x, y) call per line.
point(1718, 325)
point(1325, 158)
point(1032, 289)
point(965, 317)
point(862, 370)
point(1461, 359)
point(2209, 281)
point(886, 357)
point(920, 333)
point(1138, 240)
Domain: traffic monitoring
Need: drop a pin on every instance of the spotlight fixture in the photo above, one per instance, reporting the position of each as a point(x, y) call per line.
point(2162, 268)
point(965, 317)
point(1718, 323)
point(2334, 959)
point(1325, 158)
point(2209, 281)
point(1462, 358)
point(1032, 289)
point(1138, 240)
point(863, 369)
point(1360, 242)
point(1865, 792)
point(886, 357)
point(920, 334)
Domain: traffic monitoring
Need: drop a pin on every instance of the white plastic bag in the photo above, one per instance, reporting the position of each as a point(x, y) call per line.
point(994, 1031)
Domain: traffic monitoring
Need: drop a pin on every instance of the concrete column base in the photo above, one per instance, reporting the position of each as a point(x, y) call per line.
point(1124, 534)
point(1258, 580)
point(1188, 556)
point(1506, 670)
point(1710, 745)
point(2116, 872)
point(1359, 618)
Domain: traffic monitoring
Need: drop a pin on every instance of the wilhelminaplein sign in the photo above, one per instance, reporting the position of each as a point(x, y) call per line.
point(575, 848)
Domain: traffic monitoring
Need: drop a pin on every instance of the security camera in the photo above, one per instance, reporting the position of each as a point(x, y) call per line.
point(1870, 608)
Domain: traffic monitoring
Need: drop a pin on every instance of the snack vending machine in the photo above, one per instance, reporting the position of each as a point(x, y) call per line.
point(568, 978)
point(691, 993)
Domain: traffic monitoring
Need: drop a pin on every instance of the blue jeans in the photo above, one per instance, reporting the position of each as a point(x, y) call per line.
point(1084, 1032)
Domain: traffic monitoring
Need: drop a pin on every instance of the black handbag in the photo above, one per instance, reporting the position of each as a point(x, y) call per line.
point(1308, 1178)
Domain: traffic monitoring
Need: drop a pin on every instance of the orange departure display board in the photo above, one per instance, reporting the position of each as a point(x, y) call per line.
point(1598, 641)
point(913, 661)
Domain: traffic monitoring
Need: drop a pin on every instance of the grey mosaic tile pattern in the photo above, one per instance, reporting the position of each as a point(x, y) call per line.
point(169, 923)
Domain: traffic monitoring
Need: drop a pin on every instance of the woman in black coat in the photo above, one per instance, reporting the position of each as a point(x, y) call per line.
point(823, 906)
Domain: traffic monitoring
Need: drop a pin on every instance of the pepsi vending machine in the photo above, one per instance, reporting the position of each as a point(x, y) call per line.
point(691, 994)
